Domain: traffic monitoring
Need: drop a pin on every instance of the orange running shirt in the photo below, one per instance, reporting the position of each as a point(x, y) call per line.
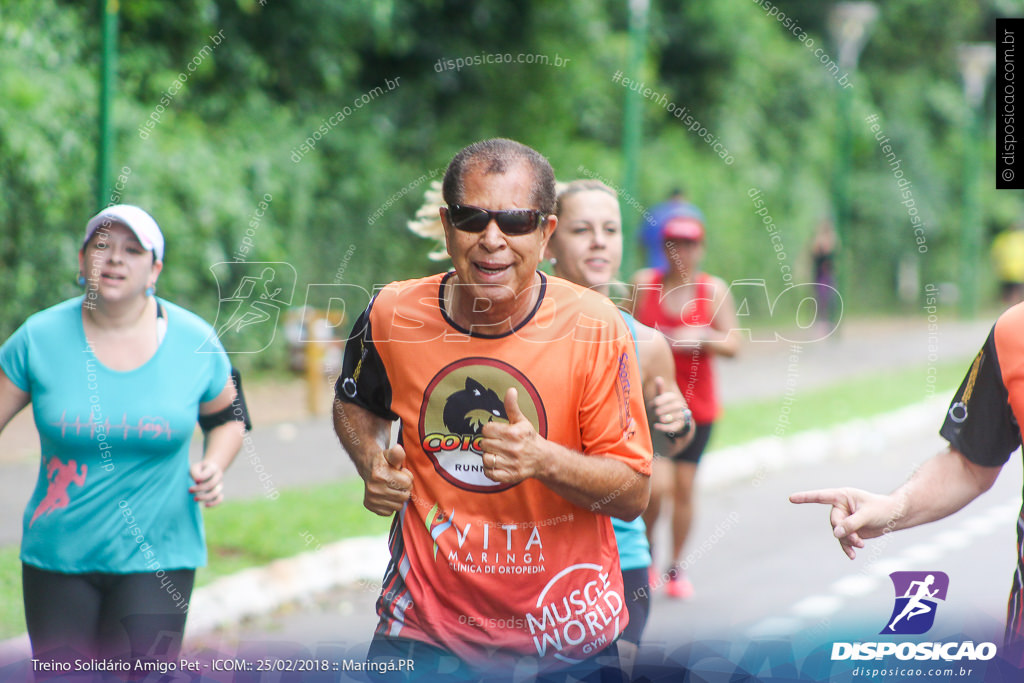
point(488, 571)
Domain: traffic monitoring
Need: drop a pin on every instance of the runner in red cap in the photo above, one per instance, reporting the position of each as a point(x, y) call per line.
point(696, 313)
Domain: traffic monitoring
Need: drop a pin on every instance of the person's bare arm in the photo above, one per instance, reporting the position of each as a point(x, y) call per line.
point(667, 410)
point(641, 279)
point(387, 482)
point(515, 451)
point(12, 400)
point(220, 446)
point(943, 485)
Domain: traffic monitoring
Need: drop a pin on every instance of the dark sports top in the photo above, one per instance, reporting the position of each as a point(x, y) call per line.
point(983, 423)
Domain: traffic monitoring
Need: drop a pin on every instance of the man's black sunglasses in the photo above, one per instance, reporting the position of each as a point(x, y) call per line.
point(511, 221)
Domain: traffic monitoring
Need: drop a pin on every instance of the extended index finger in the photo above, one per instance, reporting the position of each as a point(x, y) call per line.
point(824, 496)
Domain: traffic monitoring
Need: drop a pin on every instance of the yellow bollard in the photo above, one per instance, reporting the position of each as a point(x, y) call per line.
point(314, 361)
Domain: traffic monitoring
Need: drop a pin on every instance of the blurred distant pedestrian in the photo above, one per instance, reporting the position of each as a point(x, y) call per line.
point(823, 261)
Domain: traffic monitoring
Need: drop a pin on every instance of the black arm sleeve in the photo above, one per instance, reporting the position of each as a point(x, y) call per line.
point(238, 411)
point(980, 422)
point(364, 380)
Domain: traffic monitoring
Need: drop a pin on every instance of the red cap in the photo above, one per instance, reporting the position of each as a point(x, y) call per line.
point(683, 228)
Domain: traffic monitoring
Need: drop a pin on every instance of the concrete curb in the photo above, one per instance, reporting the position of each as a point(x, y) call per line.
point(262, 590)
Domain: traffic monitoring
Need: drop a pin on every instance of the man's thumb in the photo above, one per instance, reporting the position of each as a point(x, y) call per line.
point(395, 456)
point(659, 386)
point(850, 525)
point(512, 406)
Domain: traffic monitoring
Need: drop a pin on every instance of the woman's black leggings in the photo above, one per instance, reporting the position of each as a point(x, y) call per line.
point(106, 616)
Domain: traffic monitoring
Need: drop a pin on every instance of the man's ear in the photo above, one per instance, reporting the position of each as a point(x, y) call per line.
point(547, 229)
point(443, 210)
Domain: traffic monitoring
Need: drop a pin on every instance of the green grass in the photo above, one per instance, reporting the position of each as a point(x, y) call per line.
point(243, 534)
point(12, 616)
point(860, 397)
point(251, 533)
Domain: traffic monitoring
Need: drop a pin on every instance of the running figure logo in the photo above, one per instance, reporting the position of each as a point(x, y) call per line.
point(916, 596)
point(59, 476)
point(257, 292)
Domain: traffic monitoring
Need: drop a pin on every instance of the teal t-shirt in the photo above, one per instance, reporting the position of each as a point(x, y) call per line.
point(631, 537)
point(112, 493)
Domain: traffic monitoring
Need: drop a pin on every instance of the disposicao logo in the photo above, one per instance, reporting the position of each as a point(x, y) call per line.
point(917, 596)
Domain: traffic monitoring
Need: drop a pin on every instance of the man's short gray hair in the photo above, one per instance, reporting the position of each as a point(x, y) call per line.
point(499, 156)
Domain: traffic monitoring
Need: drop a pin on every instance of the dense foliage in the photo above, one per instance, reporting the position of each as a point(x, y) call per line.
point(270, 77)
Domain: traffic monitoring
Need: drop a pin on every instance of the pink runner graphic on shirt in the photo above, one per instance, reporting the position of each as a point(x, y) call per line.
point(59, 476)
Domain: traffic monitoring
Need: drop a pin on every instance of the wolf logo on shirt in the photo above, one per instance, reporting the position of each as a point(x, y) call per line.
point(459, 401)
point(467, 411)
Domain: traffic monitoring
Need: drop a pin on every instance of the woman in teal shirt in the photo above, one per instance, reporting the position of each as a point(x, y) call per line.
point(112, 534)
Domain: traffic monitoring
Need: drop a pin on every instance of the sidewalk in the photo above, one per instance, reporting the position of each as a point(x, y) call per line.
point(856, 348)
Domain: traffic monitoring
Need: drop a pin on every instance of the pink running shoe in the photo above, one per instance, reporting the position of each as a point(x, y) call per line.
point(679, 586)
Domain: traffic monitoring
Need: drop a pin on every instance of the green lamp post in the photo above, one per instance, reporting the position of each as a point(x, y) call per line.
point(632, 138)
point(977, 62)
point(108, 22)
